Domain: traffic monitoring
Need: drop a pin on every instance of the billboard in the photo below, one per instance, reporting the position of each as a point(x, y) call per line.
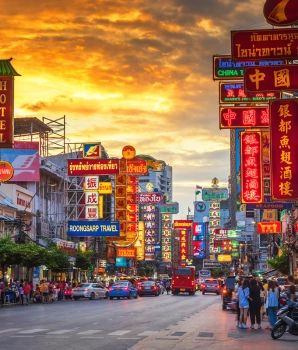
point(263, 44)
point(150, 198)
point(199, 249)
point(271, 78)
point(183, 224)
point(183, 246)
point(281, 12)
point(214, 194)
point(243, 117)
point(269, 227)
point(92, 150)
point(251, 167)
point(84, 166)
point(25, 163)
point(94, 228)
point(170, 208)
point(6, 111)
point(126, 252)
point(225, 69)
point(269, 204)
point(198, 229)
point(283, 149)
point(234, 93)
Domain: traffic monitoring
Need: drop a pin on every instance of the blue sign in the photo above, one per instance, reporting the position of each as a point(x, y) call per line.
point(91, 150)
point(36, 273)
point(267, 204)
point(93, 228)
point(157, 247)
point(121, 262)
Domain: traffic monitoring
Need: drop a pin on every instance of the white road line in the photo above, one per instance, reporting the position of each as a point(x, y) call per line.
point(95, 323)
point(90, 332)
point(91, 337)
point(119, 333)
point(30, 331)
point(22, 336)
point(10, 330)
point(62, 331)
point(147, 333)
point(129, 338)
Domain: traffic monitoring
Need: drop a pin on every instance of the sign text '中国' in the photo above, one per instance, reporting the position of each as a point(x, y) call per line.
point(243, 117)
point(263, 44)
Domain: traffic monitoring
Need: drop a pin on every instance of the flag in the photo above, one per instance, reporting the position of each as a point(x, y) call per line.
point(199, 187)
point(189, 210)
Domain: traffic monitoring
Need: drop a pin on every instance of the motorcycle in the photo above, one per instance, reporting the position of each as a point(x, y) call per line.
point(288, 317)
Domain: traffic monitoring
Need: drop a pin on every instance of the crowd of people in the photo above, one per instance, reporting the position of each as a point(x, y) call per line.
point(257, 299)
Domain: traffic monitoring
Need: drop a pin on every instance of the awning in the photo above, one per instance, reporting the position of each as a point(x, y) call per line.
point(7, 218)
point(24, 213)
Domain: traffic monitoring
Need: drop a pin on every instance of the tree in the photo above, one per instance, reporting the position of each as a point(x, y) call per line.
point(281, 263)
point(32, 255)
point(57, 260)
point(83, 260)
point(9, 253)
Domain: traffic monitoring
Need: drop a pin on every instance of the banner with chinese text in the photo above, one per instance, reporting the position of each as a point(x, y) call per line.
point(283, 149)
point(183, 247)
point(243, 117)
point(251, 167)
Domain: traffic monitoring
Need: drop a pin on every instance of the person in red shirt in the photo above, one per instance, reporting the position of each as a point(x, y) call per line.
point(27, 291)
point(63, 286)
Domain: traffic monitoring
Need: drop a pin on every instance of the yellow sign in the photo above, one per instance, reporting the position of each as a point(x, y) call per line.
point(128, 152)
point(212, 257)
point(140, 253)
point(105, 188)
point(149, 187)
point(100, 207)
point(224, 258)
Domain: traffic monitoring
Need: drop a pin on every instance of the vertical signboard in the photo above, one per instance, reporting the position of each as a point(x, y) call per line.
point(251, 167)
point(166, 237)
point(283, 149)
point(183, 247)
point(214, 223)
point(149, 219)
point(6, 111)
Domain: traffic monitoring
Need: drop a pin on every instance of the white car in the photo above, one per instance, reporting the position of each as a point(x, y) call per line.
point(90, 290)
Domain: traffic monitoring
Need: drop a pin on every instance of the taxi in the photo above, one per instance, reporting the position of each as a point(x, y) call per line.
point(123, 289)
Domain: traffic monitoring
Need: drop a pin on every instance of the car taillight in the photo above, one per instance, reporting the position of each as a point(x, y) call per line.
point(224, 291)
point(110, 288)
point(192, 283)
point(217, 286)
point(203, 285)
point(125, 288)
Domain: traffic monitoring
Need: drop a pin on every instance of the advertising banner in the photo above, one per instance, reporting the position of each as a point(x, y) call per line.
point(6, 171)
point(150, 198)
point(225, 69)
point(6, 111)
point(243, 117)
point(224, 258)
point(25, 163)
point(220, 233)
point(234, 93)
point(170, 208)
point(271, 78)
point(269, 204)
point(93, 228)
point(92, 150)
point(183, 247)
point(269, 227)
point(133, 166)
point(126, 252)
point(251, 167)
point(199, 249)
point(263, 44)
point(183, 224)
point(281, 12)
point(26, 145)
point(283, 148)
point(215, 194)
point(105, 188)
point(198, 229)
point(82, 167)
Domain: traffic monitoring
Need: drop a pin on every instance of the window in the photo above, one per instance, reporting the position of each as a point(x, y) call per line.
point(183, 272)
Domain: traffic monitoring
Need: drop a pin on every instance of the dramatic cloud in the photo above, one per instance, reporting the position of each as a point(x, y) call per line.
point(129, 72)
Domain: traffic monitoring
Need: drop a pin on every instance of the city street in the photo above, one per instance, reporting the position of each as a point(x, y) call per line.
point(164, 322)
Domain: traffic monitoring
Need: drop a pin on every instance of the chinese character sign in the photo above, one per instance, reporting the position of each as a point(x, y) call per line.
point(243, 117)
point(183, 246)
point(283, 149)
point(251, 167)
point(166, 237)
point(255, 45)
point(269, 227)
point(262, 79)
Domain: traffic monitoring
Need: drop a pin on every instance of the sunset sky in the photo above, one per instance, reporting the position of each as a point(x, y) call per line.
point(130, 72)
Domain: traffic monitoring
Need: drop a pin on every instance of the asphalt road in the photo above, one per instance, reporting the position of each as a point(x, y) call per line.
point(95, 324)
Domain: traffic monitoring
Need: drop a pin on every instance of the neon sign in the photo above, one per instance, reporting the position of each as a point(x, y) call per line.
point(225, 68)
point(243, 117)
point(251, 167)
point(183, 246)
point(283, 149)
point(234, 93)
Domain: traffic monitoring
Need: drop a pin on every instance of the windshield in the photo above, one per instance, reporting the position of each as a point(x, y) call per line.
point(83, 285)
point(183, 272)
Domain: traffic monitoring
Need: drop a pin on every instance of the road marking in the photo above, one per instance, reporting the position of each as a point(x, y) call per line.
point(129, 338)
point(10, 330)
point(62, 331)
point(147, 333)
point(91, 337)
point(95, 323)
point(22, 336)
point(90, 332)
point(119, 333)
point(121, 316)
point(30, 331)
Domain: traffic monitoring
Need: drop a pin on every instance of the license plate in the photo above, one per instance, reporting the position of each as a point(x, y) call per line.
point(182, 289)
point(117, 290)
point(147, 287)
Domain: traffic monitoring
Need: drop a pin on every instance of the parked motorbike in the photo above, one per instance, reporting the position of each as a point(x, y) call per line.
point(288, 318)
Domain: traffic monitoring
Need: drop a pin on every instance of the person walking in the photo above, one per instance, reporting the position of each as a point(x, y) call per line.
point(262, 296)
point(168, 287)
point(292, 290)
point(255, 303)
point(272, 296)
point(51, 290)
point(27, 292)
point(44, 291)
point(21, 292)
point(243, 295)
point(239, 283)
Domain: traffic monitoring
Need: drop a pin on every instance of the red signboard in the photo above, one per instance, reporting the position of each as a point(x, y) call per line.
point(264, 44)
point(234, 93)
point(6, 111)
point(26, 145)
point(220, 233)
point(251, 167)
point(269, 227)
point(82, 167)
point(150, 198)
point(271, 78)
point(133, 166)
point(183, 246)
point(126, 252)
point(283, 149)
point(6, 171)
point(281, 12)
point(243, 117)
point(184, 224)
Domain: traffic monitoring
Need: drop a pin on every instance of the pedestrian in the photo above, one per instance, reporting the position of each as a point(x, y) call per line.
point(243, 294)
point(2, 290)
point(44, 291)
point(291, 292)
point(27, 292)
point(63, 285)
point(239, 281)
point(262, 296)
point(168, 287)
point(51, 290)
point(255, 303)
point(21, 292)
point(273, 295)
point(31, 289)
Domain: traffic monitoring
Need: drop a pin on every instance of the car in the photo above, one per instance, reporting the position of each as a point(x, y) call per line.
point(148, 288)
point(210, 286)
point(227, 292)
point(124, 290)
point(90, 291)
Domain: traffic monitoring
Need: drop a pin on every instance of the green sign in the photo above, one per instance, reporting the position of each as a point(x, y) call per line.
point(235, 244)
point(169, 208)
point(215, 194)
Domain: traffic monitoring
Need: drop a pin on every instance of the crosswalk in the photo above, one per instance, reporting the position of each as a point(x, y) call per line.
point(83, 334)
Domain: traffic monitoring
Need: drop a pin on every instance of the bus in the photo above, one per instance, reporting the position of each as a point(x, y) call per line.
point(204, 274)
point(184, 280)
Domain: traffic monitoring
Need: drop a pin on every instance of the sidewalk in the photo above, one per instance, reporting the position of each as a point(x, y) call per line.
point(213, 329)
